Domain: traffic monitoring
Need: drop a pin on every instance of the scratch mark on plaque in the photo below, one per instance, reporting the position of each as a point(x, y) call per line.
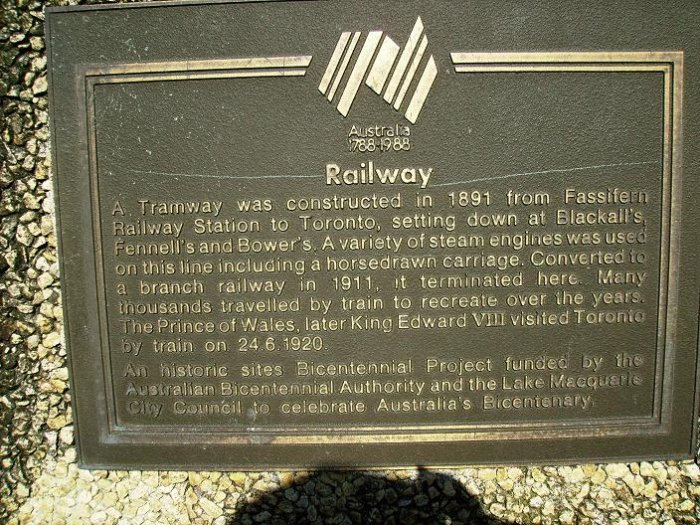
point(546, 172)
point(207, 176)
point(131, 47)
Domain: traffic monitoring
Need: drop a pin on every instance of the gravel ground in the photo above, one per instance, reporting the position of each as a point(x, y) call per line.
point(40, 483)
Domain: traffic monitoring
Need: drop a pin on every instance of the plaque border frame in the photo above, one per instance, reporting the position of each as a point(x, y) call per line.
point(669, 63)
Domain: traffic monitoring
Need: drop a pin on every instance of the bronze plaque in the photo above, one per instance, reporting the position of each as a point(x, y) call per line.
point(351, 234)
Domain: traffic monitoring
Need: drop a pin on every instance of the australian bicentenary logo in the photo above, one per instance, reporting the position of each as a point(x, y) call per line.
point(388, 77)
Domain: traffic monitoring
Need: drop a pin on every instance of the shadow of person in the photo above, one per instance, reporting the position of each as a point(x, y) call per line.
point(356, 497)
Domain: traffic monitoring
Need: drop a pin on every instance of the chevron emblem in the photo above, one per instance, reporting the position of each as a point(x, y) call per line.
point(384, 67)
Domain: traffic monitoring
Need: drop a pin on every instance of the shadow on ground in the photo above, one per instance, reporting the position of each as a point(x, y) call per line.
point(343, 498)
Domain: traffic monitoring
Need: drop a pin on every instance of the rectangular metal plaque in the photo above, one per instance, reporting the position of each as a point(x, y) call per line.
point(350, 234)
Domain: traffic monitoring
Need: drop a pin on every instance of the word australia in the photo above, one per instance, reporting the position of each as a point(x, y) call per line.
point(368, 173)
